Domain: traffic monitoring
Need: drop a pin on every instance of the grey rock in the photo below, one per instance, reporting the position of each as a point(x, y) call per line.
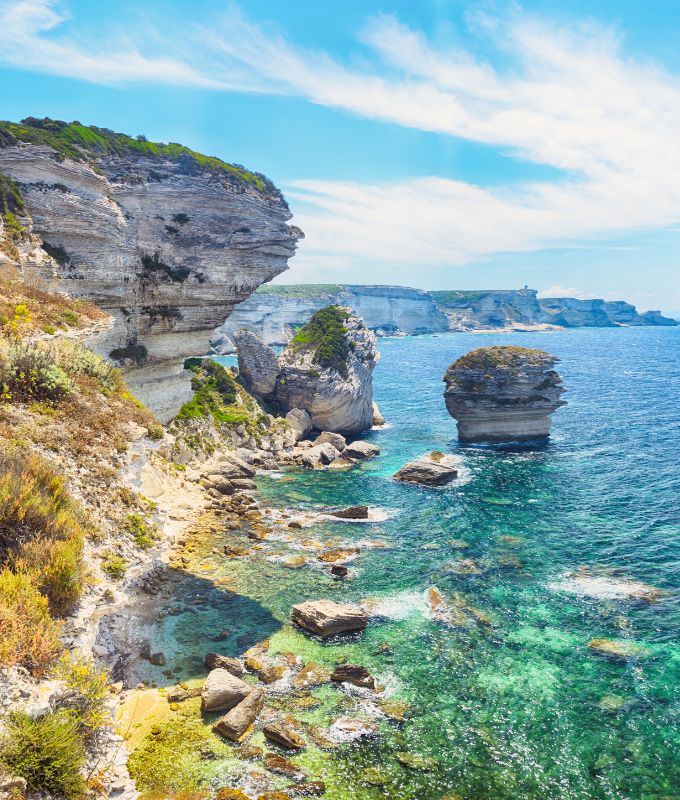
point(232, 665)
point(336, 439)
point(354, 674)
point(300, 421)
point(353, 512)
point(258, 364)
point(223, 691)
point(320, 454)
point(426, 472)
point(378, 418)
point(361, 450)
point(327, 618)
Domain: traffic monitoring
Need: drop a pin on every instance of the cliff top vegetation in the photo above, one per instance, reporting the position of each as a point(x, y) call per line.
point(502, 357)
point(301, 290)
point(88, 142)
point(327, 334)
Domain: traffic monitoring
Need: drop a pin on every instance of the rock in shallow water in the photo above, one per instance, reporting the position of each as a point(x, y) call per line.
point(223, 691)
point(326, 618)
point(236, 723)
point(427, 472)
point(503, 394)
point(353, 512)
point(361, 450)
point(283, 735)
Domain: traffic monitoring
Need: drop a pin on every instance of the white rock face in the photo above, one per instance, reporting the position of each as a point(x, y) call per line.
point(167, 247)
point(257, 365)
point(274, 316)
point(335, 402)
point(503, 394)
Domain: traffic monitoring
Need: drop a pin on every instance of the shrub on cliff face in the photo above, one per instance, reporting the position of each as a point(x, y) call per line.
point(326, 333)
point(215, 395)
point(48, 752)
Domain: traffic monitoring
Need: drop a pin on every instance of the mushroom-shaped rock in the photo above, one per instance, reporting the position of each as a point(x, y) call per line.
point(503, 394)
point(326, 618)
point(223, 691)
point(258, 365)
point(327, 370)
point(236, 722)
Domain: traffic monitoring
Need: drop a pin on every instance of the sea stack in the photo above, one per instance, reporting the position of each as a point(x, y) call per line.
point(326, 370)
point(503, 394)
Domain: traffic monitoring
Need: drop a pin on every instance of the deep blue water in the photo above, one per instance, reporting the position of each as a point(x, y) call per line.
point(520, 708)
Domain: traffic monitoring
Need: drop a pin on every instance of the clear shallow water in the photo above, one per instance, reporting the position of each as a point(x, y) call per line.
point(511, 710)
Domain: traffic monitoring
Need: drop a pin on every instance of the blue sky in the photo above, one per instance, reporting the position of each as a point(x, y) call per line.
point(437, 143)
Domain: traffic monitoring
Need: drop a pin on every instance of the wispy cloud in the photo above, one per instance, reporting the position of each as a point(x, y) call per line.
point(569, 291)
point(569, 98)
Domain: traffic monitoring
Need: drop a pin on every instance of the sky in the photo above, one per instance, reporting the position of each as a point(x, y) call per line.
point(432, 143)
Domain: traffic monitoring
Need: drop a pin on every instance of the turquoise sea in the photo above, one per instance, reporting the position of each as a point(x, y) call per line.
point(506, 701)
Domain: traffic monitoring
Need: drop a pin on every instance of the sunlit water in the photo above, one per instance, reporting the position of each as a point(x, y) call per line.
point(511, 710)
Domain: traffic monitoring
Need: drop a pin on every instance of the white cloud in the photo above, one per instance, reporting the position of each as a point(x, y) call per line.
point(568, 98)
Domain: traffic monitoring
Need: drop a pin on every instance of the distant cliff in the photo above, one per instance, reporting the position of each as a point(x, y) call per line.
point(167, 240)
point(276, 312)
point(521, 309)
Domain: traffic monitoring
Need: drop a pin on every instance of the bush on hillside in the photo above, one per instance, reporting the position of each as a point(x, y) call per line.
point(326, 333)
point(48, 752)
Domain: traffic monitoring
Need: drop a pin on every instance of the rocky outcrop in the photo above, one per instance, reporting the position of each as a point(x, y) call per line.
point(166, 240)
point(223, 691)
point(258, 366)
point(327, 618)
point(326, 371)
point(503, 394)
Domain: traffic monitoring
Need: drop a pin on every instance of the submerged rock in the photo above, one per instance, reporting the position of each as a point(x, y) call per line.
point(503, 394)
point(223, 691)
point(283, 735)
point(617, 649)
point(326, 618)
point(415, 761)
point(355, 674)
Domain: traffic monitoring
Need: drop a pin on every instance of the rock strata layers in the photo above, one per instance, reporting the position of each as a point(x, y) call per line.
point(325, 371)
point(167, 241)
point(503, 394)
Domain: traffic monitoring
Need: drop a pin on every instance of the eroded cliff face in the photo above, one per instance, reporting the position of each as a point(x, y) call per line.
point(328, 376)
point(168, 246)
point(503, 394)
point(276, 312)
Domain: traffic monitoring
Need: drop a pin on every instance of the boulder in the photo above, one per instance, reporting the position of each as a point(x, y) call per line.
point(300, 421)
point(235, 724)
point(223, 691)
point(327, 618)
point(353, 512)
point(339, 570)
point(217, 661)
point(426, 472)
point(320, 454)
point(336, 439)
point(355, 674)
point(258, 365)
point(377, 418)
point(503, 394)
point(283, 735)
point(361, 450)
point(274, 762)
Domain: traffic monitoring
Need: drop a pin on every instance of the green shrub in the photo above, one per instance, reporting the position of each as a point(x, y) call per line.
point(327, 335)
point(215, 395)
point(29, 637)
point(11, 201)
point(114, 565)
point(144, 535)
point(47, 752)
point(30, 372)
point(90, 687)
point(43, 529)
point(77, 360)
point(155, 431)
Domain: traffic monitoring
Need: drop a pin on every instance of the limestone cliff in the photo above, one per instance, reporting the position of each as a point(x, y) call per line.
point(165, 239)
point(571, 312)
point(326, 370)
point(274, 313)
point(503, 394)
